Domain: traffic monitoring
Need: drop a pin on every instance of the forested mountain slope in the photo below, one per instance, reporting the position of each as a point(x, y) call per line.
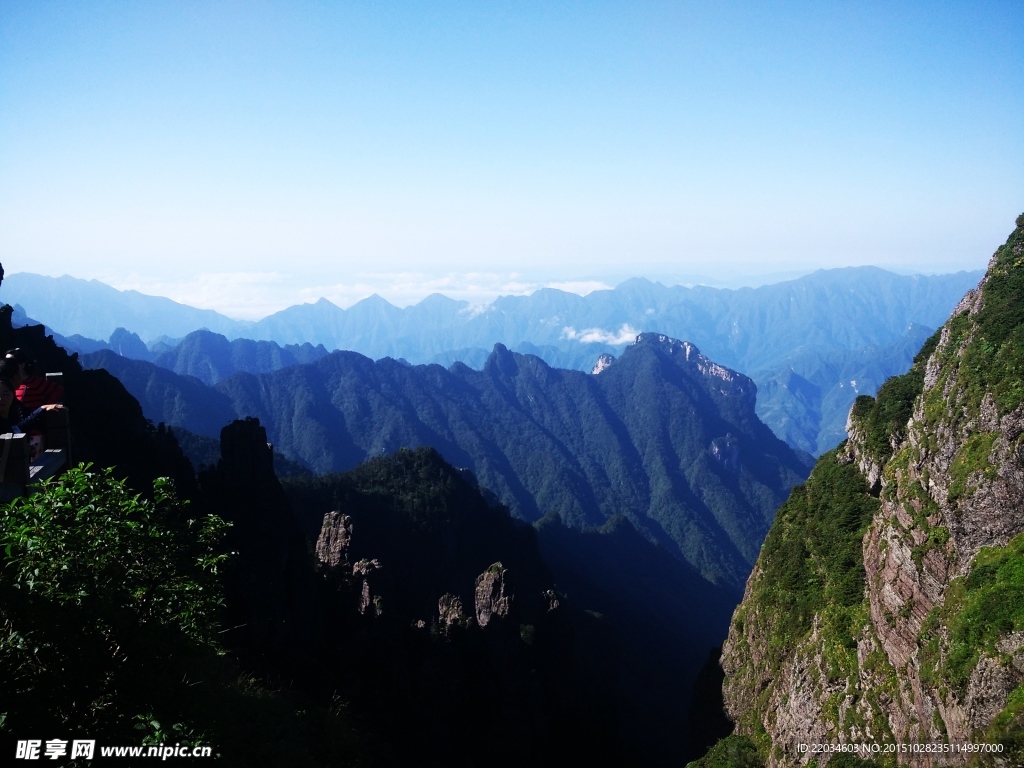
point(664, 436)
point(425, 615)
point(887, 604)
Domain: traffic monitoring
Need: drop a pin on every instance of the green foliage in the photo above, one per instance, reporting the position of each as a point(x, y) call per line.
point(108, 603)
point(886, 415)
point(972, 457)
point(812, 557)
point(730, 752)
point(995, 355)
point(985, 351)
point(1007, 728)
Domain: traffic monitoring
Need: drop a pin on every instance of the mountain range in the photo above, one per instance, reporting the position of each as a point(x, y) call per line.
point(815, 342)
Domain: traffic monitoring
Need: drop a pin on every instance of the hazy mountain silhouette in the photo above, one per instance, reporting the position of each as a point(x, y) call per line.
point(95, 310)
point(830, 328)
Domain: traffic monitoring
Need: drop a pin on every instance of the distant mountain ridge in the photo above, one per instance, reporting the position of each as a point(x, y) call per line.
point(827, 329)
point(801, 312)
point(95, 310)
point(210, 357)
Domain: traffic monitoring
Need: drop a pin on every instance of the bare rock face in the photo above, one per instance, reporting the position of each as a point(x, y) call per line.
point(726, 451)
point(334, 540)
point(552, 599)
point(734, 385)
point(604, 362)
point(493, 599)
point(868, 466)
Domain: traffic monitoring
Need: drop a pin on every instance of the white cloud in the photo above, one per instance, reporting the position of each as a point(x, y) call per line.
point(625, 335)
point(473, 310)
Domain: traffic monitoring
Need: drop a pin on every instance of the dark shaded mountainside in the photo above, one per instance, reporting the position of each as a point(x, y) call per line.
point(424, 615)
point(663, 436)
point(811, 344)
point(887, 604)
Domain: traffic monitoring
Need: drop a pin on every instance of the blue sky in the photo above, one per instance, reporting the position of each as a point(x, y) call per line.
point(250, 155)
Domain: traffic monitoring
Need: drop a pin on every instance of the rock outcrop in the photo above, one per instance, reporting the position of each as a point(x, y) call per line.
point(604, 362)
point(493, 598)
point(449, 612)
point(334, 540)
point(921, 641)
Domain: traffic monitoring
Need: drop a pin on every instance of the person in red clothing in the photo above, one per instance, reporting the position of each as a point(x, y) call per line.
point(34, 394)
point(33, 391)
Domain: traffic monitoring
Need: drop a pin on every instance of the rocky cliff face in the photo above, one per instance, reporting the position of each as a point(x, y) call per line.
point(493, 598)
point(914, 635)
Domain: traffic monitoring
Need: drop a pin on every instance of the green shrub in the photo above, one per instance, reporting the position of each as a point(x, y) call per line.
point(108, 605)
point(996, 354)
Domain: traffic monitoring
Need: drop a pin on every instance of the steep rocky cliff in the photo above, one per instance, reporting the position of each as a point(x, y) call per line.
point(887, 604)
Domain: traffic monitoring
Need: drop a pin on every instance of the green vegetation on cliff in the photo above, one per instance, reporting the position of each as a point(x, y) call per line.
point(812, 558)
point(731, 752)
point(949, 484)
point(885, 416)
point(980, 608)
point(995, 356)
point(808, 589)
point(985, 351)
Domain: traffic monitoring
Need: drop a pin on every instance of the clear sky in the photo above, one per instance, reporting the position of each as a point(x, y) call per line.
point(245, 156)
